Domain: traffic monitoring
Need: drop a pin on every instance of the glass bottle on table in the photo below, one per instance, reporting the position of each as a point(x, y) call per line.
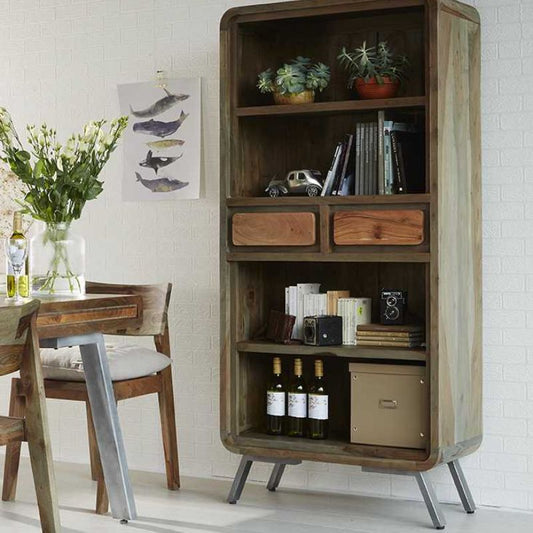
point(276, 393)
point(297, 399)
point(16, 249)
point(318, 399)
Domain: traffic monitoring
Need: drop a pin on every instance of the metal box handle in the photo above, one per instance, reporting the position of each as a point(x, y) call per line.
point(388, 404)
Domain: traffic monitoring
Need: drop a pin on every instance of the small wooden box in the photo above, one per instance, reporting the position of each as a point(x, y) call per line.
point(274, 229)
point(389, 405)
point(394, 227)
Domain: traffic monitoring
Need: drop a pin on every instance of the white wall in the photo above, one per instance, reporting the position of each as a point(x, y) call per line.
point(60, 61)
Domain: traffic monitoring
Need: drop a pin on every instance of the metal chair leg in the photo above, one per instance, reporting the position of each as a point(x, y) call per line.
point(462, 486)
point(240, 479)
point(432, 504)
point(275, 477)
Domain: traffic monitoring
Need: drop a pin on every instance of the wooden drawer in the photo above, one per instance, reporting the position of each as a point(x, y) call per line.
point(274, 229)
point(389, 405)
point(398, 227)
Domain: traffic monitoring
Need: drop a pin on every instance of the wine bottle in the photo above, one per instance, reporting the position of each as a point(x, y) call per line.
point(297, 402)
point(318, 404)
point(276, 401)
point(23, 277)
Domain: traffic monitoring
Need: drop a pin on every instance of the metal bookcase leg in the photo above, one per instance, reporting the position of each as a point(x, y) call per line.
point(432, 504)
point(240, 479)
point(275, 477)
point(462, 486)
point(244, 469)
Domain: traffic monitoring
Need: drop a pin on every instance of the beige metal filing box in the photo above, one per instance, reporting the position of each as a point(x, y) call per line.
point(389, 405)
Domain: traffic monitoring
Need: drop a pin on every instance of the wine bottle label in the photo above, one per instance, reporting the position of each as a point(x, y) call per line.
point(297, 405)
point(275, 403)
point(318, 406)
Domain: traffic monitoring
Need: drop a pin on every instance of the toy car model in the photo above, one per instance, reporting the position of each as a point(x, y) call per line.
point(298, 182)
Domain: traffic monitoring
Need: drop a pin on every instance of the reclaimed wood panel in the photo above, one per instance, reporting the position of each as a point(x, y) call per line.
point(62, 316)
point(380, 227)
point(457, 290)
point(155, 302)
point(274, 229)
point(11, 429)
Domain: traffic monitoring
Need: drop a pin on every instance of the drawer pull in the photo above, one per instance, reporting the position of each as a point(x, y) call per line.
point(388, 404)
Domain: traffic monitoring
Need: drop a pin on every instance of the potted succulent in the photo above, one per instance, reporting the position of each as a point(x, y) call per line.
point(295, 82)
point(375, 72)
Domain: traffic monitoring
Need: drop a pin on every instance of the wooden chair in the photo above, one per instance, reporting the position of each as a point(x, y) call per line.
point(64, 380)
point(27, 420)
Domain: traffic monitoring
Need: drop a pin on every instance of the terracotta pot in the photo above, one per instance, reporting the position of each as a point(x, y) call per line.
point(305, 97)
point(371, 89)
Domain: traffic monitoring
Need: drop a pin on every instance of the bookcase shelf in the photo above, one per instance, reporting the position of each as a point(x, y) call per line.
point(329, 200)
point(336, 446)
point(441, 272)
point(354, 352)
point(326, 257)
point(346, 106)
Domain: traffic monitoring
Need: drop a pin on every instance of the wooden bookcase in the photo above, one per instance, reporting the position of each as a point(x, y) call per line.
point(442, 273)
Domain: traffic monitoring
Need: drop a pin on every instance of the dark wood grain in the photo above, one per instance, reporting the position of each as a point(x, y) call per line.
point(337, 257)
point(62, 317)
point(331, 107)
point(388, 200)
point(350, 352)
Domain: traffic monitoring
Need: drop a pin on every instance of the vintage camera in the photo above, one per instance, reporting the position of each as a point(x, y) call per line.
point(393, 307)
point(325, 330)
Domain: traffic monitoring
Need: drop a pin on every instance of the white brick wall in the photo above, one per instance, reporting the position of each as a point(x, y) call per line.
point(61, 61)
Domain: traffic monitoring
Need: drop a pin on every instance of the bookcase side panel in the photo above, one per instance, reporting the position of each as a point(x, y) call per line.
point(459, 237)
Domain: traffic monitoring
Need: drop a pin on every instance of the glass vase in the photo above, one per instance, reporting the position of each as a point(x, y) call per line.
point(57, 262)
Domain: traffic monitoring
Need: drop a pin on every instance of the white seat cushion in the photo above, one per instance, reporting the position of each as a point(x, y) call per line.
point(125, 362)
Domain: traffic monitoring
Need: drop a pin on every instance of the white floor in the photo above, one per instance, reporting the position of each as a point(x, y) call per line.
point(199, 507)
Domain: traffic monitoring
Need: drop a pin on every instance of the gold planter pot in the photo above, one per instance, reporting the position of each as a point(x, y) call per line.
point(305, 97)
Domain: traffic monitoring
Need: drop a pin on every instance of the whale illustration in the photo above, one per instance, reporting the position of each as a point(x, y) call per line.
point(158, 128)
point(162, 184)
point(159, 146)
point(155, 163)
point(162, 105)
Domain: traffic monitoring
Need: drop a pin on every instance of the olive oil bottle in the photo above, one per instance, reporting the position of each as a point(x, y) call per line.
point(23, 282)
point(297, 397)
point(318, 400)
point(276, 396)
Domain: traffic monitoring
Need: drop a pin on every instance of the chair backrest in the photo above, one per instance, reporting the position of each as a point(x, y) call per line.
point(155, 304)
point(15, 321)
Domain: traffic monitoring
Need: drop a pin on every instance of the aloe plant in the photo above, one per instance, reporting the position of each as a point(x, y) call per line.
point(294, 77)
point(377, 62)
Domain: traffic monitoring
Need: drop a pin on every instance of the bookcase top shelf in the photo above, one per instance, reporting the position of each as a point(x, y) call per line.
point(331, 107)
point(355, 352)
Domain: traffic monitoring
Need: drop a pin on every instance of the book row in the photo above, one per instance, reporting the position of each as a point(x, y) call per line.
point(379, 157)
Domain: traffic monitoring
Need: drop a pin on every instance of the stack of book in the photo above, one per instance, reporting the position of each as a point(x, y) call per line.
point(382, 157)
point(354, 311)
point(305, 299)
point(407, 336)
point(294, 304)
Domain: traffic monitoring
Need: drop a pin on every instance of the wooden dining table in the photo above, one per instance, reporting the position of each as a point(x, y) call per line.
point(68, 321)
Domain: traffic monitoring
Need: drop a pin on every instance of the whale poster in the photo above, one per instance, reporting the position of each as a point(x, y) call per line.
point(162, 143)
